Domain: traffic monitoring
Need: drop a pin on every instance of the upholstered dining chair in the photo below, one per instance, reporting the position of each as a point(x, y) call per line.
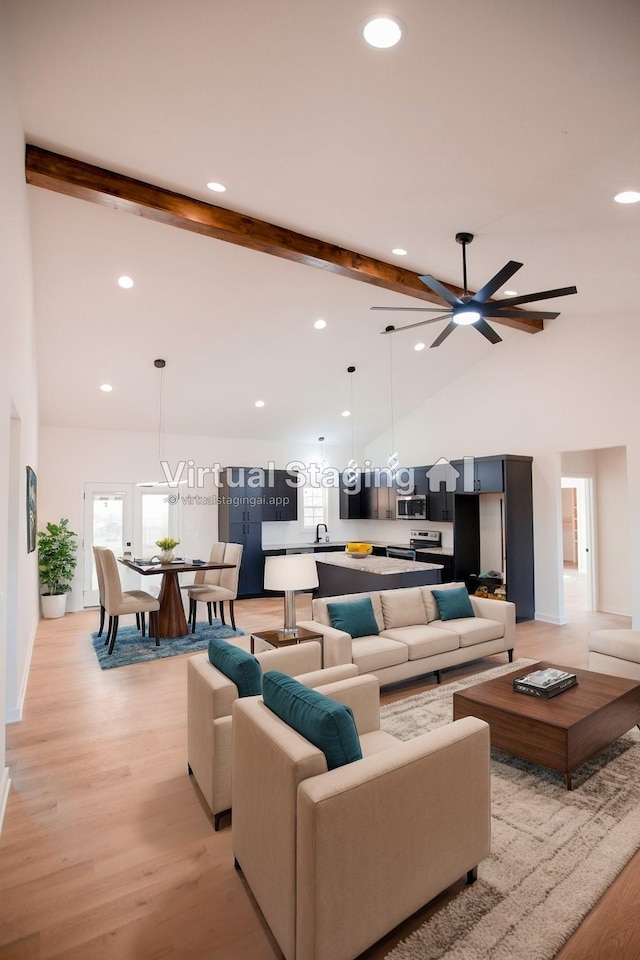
point(207, 578)
point(98, 563)
point(118, 602)
point(227, 589)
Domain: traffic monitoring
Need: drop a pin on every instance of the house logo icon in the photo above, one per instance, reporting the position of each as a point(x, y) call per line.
point(444, 472)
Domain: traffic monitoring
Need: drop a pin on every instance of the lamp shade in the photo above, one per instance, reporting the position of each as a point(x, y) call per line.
point(293, 571)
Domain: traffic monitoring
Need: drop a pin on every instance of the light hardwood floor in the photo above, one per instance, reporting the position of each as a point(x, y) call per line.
point(107, 851)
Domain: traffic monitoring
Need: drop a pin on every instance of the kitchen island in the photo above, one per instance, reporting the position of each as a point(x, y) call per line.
point(338, 573)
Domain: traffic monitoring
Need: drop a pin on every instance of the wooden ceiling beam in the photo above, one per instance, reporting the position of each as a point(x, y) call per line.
point(75, 178)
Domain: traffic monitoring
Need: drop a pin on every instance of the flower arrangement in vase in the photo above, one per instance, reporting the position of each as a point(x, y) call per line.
point(166, 549)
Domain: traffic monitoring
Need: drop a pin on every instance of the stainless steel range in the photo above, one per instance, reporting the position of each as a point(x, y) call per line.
point(425, 539)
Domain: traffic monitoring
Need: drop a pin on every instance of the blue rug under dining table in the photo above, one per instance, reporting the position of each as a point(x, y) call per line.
point(131, 647)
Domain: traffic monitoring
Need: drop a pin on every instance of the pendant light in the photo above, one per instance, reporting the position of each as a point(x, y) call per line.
point(392, 459)
point(322, 463)
point(351, 473)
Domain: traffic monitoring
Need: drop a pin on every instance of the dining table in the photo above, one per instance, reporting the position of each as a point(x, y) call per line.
point(173, 622)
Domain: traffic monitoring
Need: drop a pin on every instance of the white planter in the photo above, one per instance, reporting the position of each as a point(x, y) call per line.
point(54, 606)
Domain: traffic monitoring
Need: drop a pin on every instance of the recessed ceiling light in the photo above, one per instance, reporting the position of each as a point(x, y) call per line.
point(511, 293)
point(125, 282)
point(216, 187)
point(259, 403)
point(320, 324)
point(627, 196)
point(419, 346)
point(106, 387)
point(346, 413)
point(399, 252)
point(382, 32)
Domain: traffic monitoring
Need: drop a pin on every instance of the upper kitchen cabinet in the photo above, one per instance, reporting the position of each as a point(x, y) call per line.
point(281, 498)
point(379, 496)
point(240, 495)
point(480, 474)
point(351, 499)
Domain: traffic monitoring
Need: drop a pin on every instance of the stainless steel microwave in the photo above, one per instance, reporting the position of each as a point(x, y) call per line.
point(411, 508)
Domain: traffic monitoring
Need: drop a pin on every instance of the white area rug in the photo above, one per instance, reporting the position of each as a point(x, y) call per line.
point(553, 852)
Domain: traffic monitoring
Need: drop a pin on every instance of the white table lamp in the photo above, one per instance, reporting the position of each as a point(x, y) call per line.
point(288, 573)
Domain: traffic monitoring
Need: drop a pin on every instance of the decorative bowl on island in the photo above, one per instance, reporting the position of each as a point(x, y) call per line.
point(358, 550)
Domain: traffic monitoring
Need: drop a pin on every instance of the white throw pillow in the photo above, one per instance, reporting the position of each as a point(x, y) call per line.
point(403, 607)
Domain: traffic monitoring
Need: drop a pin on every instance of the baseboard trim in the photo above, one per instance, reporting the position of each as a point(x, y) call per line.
point(547, 618)
point(14, 714)
point(5, 785)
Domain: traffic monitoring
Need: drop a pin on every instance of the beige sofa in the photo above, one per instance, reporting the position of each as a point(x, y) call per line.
point(413, 640)
point(210, 698)
point(337, 858)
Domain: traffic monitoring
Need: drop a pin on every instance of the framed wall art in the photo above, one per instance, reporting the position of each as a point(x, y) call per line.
point(32, 509)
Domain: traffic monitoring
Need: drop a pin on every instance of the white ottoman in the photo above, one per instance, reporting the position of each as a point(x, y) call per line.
point(616, 652)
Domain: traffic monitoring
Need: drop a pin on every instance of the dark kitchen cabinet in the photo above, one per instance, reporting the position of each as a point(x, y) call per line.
point(251, 580)
point(240, 495)
point(351, 499)
point(480, 475)
point(437, 483)
point(379, 496)
point(281, 498)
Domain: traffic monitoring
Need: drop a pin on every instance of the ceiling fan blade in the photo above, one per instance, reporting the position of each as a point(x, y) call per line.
point(420, 323)
point(422, 309)
point(450, 327)
point(441, 290)
point(483, 327)
point(492, 285)
point(530, 297)
point(522, 314)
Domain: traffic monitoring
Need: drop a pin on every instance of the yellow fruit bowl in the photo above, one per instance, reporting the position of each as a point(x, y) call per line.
point(358, 550)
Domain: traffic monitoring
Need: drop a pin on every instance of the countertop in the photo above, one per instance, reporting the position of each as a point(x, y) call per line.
point(378, 565)
point(443, 551)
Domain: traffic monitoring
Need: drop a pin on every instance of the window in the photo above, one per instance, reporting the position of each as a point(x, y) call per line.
point(314, 506)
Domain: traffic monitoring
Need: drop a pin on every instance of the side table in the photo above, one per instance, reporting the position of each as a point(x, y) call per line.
point(278, 638)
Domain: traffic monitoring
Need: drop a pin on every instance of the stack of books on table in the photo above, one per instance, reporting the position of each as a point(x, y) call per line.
point(545, 683)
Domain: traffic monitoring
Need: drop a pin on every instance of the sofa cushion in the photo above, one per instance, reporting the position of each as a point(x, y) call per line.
point(423, 641)
point(402, 608)
point(373, 653)
point(476, 630)
point(321, 613)
point(355, 617)
point(430, 605)
point(240, 667)
point(454, 604)
point(324, 722)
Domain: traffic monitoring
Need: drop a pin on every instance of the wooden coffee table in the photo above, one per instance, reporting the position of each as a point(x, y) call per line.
point(559, 733)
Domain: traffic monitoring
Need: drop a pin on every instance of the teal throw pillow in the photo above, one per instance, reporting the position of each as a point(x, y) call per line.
point(453, 604)
point(354, 616)
point(240, 667)
point(328, 725)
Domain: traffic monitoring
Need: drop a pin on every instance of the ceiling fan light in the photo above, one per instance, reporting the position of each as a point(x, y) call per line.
point(466, 317)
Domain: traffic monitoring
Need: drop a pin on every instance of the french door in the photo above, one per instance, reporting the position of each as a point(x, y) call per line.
point(125, 517)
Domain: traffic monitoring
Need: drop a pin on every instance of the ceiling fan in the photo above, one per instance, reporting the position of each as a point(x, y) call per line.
point(473, 309)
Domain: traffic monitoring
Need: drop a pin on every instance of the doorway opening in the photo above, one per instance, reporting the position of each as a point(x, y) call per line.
point(578, 554)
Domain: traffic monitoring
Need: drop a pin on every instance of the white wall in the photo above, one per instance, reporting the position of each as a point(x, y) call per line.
point(18, 415)
point(614, 547)
point(524, 397)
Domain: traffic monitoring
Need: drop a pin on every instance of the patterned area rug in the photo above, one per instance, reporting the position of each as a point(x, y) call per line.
point(132, 648)
point(553, 852)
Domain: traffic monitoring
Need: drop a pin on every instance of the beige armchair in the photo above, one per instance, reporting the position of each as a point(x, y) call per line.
point(226, 589)
point(336, 859)
point(210, 699)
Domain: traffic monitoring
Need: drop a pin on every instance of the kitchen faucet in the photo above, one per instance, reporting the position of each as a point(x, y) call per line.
point(318, 525)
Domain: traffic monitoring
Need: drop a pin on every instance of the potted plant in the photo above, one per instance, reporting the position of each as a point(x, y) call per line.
point(57, 562)
point(166, 548)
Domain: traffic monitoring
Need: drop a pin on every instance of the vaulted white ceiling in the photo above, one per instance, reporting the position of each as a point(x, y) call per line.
point(513, 120)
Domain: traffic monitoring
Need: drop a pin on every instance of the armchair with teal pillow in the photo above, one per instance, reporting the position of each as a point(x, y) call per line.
point(240, 667)
point(453, 604)
point(324, 722)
